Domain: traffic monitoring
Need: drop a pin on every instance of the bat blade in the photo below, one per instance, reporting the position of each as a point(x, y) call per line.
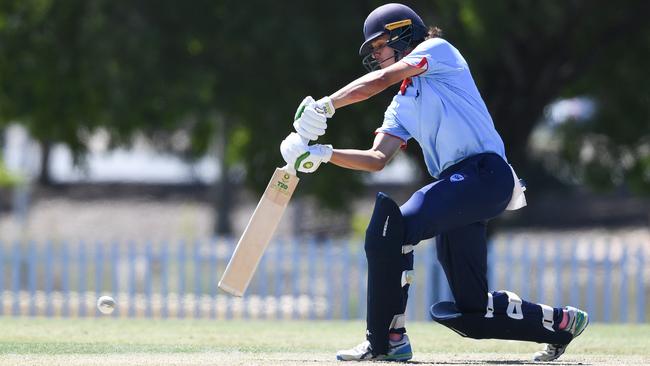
point(258, 232)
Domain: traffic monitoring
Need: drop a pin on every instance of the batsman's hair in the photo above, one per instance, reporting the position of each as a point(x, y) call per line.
point(434, 32)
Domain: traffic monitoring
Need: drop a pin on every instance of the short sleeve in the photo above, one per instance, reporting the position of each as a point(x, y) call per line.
point(391, 125)
point(437, 57)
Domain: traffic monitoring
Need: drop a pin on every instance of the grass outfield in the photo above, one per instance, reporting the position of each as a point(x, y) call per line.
point(39, 341)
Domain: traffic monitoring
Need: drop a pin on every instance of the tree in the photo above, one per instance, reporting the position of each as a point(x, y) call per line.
point(525, 55)
point(47, 81)
point(157, 67)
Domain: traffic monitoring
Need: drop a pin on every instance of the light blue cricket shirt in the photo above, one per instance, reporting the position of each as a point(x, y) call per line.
point(442, 109)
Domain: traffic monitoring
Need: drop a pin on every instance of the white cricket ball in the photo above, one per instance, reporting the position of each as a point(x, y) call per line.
point(106, 304)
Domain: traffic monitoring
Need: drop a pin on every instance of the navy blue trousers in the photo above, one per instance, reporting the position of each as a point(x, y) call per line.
point(472, 191)
point(456, 208)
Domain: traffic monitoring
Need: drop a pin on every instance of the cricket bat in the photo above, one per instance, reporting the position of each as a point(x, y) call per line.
point(259, 231)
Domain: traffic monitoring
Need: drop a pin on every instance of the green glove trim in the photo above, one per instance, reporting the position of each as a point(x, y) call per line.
point(300, 159)
point(301, 108)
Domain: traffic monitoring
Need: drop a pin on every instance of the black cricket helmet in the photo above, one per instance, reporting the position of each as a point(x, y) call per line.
point(404, 28)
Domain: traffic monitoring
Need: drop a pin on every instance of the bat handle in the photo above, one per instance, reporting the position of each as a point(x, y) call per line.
point(289, 169)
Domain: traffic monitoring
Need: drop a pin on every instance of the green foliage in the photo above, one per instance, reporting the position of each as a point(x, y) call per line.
point(47, 83)
point(359, 224)
point(613, 148)
point(159, 67)
point(6, 178)
point(239, 139)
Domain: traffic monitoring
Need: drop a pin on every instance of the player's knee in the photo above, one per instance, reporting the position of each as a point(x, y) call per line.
point(413, 229)
point(414, 222)
point(465, 324)
point(385, 233)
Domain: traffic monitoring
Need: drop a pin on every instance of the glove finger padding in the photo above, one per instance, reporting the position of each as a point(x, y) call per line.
point(310, 124)
point(310, 120)
point(317, 130)
point(292, 147)
point(312, 117)
point(304, 132)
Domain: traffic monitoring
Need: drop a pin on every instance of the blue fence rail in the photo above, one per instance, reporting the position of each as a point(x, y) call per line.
point(305, 279)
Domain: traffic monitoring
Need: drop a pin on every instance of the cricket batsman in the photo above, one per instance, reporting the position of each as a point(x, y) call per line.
point(439, 106)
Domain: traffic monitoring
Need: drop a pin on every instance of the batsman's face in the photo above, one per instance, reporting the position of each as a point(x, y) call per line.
point(382, 53)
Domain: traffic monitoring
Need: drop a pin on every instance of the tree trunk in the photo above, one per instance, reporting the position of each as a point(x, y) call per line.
point(44, 177)
point(223, 199)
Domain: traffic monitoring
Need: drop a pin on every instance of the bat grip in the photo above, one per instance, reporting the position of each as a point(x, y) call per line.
point(289, 169)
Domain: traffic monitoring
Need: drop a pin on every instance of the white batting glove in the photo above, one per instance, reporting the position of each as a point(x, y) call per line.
point(310, 120)
point(301, 157)
point(292, 148)
point(317, 154)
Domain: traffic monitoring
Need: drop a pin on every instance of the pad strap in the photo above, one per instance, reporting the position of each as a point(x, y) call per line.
point(514, 306)
point(489, 313)
point(407, 277)
point(399, 321)
point(547, 317)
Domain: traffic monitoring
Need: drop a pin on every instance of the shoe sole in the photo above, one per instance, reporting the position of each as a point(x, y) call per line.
point(402, 357)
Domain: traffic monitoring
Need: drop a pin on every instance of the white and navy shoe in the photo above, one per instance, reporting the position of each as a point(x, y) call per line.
point(397, 351)
point(578, 321)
